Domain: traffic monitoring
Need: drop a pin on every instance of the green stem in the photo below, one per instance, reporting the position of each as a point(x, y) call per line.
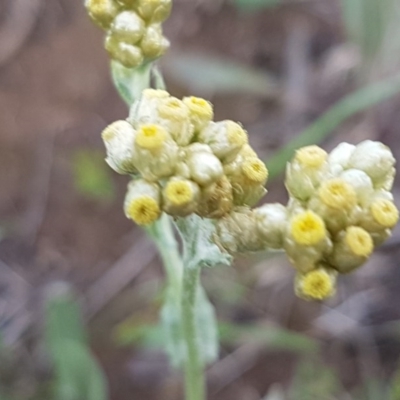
point(194, 374)
point(163, 235)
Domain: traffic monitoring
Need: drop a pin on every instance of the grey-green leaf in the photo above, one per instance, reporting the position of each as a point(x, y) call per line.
point(205, 74)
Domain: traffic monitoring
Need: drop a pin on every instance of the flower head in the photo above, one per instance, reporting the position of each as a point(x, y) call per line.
point(151, 136)
point(359, 241)
point(179, 192)
point(143, 210)
point(385, 213)
point(317, 284)
point(255, 170)
point(311, 156)
point(307, 228)
point(337, 193)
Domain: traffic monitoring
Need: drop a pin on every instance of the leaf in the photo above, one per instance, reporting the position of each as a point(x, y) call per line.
point(130, 82)
point(200, 250)
point(255, 5)
point(271, 337)
point(207, 74)
point(78, 376)
point(91, 175)
point(206, 326)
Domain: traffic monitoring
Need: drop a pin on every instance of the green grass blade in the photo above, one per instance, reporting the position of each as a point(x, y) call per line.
point(352, 104)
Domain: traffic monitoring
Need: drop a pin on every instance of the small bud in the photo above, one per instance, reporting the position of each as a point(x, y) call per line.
point(216, 199)
point(204, 167)
point(226, 139)
point(142, 202)
point(339, 157)
point(102, 12)
point(180, 197)
point(174, 116)
point(156, 154)
point(374, 158)
point(118, 139)
point(201, 111)
point(271, 223)
point(306, 240)
point(128, 55)
point(154, 44)
point(144, 110)
point(155, 10)
point(360, 182)
point(248, 176)
point(128, 27)
point(305, 173)
point(317, 284)
point(351, 249)
point(237, 232)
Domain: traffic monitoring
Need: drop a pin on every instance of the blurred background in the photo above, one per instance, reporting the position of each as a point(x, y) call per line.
point(81, 287)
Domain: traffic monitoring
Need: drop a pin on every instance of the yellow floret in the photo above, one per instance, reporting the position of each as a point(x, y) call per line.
point(336, 193)
point(151, 136)
point(317, 284)
point(179, 192)
point(359, 241)
point(143, 210)
point(237, 136)
point(385, 213)
point(255, 170)
point(307, 228)
point(311, 156)
point(199, 107)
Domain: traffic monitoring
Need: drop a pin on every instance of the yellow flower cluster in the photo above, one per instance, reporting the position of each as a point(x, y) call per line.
point(340, 208)
point(182, 161)
point(134, 31)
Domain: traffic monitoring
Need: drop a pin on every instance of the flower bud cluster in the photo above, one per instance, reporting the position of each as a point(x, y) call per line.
point(340, 208)
point(182, 161)
point(133, 28)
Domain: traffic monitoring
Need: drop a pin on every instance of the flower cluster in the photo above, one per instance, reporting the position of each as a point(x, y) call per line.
point(340, 208)
point(134, 31)
point(182, 162)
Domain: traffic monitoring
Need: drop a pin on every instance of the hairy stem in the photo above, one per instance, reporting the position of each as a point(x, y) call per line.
point(194, 374)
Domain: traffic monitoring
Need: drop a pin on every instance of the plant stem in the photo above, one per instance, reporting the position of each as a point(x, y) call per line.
point(194, 374)
point(163, 235)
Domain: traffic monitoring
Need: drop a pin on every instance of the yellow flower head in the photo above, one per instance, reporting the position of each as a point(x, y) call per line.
point(385, 213)
point(199, 108)
point(307, 228)
point(338, 194)
point(317, 284)
point(151, 136)
point(359, 241)
point(255, 170)
point(311, 156)
point(173, 109)
point(143, 210)
point(179, 192)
